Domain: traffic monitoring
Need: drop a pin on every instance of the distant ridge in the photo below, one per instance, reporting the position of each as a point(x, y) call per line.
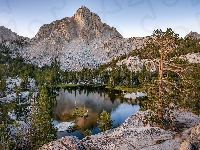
point(7, 35)
point(193, 35)
point(76, 42)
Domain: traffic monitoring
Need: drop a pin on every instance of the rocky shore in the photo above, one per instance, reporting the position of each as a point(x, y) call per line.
point(133, 134)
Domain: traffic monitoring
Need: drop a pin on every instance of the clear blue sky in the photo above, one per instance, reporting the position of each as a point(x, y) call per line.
point(132, 18)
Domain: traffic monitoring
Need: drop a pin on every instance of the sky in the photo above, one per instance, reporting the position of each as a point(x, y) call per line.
point(132, 18)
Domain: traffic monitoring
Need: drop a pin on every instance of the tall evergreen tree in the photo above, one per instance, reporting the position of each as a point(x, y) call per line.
point(174, 86)
point(42, 129)
point(5, 127)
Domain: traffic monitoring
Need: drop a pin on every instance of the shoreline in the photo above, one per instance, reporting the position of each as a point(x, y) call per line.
point(134, 134)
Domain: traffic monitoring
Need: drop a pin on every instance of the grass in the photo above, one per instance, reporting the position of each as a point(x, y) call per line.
point(118, 87)
point(67, 85)
point(123, 88)
point(127, 89)
point(74, 85)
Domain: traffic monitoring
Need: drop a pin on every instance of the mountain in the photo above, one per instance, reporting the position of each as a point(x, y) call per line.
point(6, 35)
point(193, 35)
point(78, 41)
point(84, 25)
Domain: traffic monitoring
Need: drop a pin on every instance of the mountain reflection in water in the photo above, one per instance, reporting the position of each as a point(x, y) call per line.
point(93, 99)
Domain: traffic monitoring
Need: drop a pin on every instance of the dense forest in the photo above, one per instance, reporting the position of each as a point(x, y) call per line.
point(175, 81)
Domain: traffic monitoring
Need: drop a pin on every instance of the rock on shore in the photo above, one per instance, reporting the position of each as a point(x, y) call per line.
point(134, 135)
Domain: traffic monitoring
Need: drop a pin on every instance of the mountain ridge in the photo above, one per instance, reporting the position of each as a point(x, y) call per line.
point(7, 34)
point(79, 41)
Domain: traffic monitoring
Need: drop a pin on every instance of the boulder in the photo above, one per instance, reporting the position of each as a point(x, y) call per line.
point(131, 138)
point(65, 143)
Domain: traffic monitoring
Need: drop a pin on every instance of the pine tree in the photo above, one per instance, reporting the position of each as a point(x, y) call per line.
point(42, 130)
point(104, 121)
point(174, 87)
point(5, 126)
point(2, 80)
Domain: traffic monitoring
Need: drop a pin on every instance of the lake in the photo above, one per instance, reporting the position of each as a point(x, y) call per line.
point(94, 100)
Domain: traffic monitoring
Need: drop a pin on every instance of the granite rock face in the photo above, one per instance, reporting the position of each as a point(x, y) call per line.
point(78, 41)
point(66, 143)
point(127, 138)
point(134, 63)
point(83, 25)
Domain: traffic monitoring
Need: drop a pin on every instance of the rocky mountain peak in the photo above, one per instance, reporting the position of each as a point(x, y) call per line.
point(83, 25)
point(83, 10)
point(193, 35)
point(76, 42)
point(83, 16)
point(83, 13)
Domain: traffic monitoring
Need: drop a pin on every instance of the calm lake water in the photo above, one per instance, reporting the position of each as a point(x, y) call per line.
point(93, 99)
